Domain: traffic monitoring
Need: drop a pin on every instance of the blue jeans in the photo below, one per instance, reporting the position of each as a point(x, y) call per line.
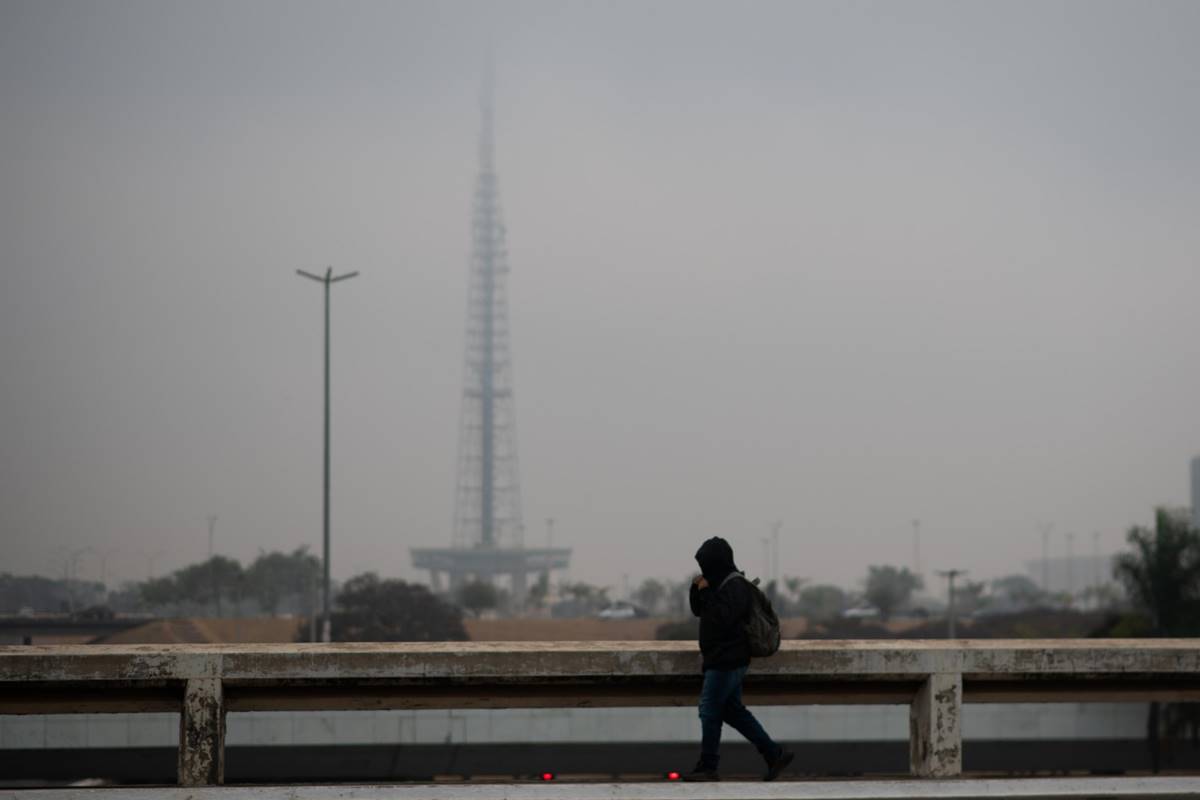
point(721, 702)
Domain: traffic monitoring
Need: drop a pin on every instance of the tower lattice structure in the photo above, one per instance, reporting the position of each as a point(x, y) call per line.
point(488, 536)
point(487, 507)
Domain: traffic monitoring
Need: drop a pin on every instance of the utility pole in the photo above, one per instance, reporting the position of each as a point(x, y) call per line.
point(312, 607)
point(150, 559)
point(104, 555)
point(916, 525)
point(1070, 569)
point(71, 573)
point(328, 280)
point(950, 575)
point(775, 552)
point(212, 571)
point(549, 544)
point(67, 585)
point(1046, 528)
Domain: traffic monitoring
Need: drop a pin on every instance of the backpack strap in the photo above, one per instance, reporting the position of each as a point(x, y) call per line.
point(729, 577)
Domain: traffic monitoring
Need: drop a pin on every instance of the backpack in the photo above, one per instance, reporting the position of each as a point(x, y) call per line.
point(762, 624)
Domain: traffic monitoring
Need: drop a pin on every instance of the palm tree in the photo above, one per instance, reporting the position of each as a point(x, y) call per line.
point(1162, 573)
point(1162, 577)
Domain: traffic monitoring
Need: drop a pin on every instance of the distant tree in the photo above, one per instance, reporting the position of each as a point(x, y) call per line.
point(209, 581)
point(204, 584)
point(539, 590)
point(1104, 596)
point(794, 585)
point(41, 594)
point(677, 597)
point(970, 597)
point(783, 595)
point(478, 596)
point(1018, 591)
point(275, 576)
point(650, 594)
point(822, 602)
point(888, 588)
point(778, 601)
point(1161, 573)
point(789, 595)
point(373, 610)
point(162, 591)
point(588, 597)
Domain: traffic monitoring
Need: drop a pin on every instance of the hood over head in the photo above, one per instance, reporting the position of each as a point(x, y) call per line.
point(715, 558)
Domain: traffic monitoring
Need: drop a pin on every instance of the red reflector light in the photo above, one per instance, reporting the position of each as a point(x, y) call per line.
point(672, 776)
point(547, 776)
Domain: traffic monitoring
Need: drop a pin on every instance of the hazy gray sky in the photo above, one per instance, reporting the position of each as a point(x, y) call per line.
point(837, 264)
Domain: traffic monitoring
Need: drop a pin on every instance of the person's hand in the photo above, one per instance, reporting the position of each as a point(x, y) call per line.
point(700, 582)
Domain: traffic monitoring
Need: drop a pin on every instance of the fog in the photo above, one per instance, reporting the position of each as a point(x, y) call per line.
point(841, 265)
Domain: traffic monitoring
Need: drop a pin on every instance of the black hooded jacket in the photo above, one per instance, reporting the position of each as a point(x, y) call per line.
point(722, 609)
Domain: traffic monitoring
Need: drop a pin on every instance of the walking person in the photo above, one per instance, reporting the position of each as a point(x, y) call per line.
point(721, 597)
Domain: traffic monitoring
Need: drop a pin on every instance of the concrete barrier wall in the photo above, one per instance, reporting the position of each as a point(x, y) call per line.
point(932, 678)
point(993, 722)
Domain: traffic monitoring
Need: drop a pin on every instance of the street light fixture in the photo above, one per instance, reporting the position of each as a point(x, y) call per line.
point(328, 280)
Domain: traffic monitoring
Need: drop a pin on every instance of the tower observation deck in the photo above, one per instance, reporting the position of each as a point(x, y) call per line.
point(488, 534)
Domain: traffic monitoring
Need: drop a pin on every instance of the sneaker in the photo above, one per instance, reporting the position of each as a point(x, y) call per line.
point(778, 765)
point(701, 773)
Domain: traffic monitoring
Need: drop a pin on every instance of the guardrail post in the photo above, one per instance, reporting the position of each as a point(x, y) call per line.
point(935, 727)
point(202, 733)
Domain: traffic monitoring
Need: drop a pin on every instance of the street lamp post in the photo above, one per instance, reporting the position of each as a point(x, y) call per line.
point(72, 573)
point(950, 575)
point(916, 526)
point(328, 280)
point(1046, 529)
point(104, 556)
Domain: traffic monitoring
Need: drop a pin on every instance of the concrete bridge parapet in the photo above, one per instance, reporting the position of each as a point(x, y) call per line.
point(934, 678)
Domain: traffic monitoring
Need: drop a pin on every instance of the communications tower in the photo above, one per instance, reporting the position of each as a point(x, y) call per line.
point(488, 533)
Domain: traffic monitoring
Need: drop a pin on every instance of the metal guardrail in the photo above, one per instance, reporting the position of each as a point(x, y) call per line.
point(934, 678)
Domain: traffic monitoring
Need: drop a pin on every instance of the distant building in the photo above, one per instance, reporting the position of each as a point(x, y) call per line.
point(1196, 492)
point(1074, 576)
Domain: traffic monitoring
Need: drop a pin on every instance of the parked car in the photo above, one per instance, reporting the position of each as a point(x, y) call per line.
point(621, 610)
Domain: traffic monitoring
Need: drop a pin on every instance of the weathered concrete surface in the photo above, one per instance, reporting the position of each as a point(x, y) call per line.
point(1021, 788)
point(522, 661)
point(50, 679)
point(935, 727)
point(202, 733)
point(569, 674)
